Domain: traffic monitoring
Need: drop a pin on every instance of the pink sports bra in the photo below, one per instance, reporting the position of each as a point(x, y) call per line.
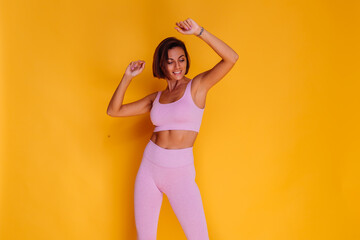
point(182, 114)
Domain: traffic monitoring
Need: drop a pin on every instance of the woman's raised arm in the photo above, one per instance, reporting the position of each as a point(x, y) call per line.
point(229, 56)
point(116, 107)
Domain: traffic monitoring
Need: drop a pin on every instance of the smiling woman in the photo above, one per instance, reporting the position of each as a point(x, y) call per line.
point(176, 112)
point(170, 54)
point(176, 62)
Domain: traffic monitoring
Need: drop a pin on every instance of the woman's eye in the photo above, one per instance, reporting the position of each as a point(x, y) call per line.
point(181, 60)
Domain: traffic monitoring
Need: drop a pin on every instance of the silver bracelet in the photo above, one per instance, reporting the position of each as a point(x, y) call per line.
point(202, 29)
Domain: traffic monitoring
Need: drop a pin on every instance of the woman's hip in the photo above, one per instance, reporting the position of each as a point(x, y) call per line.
point(168, 158)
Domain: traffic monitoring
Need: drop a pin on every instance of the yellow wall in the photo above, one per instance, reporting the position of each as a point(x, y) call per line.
point(277, 157)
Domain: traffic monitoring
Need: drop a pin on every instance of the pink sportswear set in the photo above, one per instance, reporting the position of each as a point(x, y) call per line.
point(170, 171)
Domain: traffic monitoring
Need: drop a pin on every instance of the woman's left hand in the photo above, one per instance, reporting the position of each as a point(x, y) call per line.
point(188, 27)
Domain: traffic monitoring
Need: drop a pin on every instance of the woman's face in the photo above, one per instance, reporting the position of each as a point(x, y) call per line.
point(176, 63)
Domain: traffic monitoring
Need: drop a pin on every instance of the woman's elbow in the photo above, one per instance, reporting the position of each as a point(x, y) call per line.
point(235, 58)
point(232, 59)
point(108, 112)
point(112, 113)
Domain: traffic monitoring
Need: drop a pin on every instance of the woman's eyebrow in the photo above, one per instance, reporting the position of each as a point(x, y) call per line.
point(179, 57)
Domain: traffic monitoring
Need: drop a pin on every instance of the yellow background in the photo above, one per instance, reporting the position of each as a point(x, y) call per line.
point(277, 156)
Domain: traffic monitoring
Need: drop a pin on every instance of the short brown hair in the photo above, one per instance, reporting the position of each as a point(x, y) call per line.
point(161, 56)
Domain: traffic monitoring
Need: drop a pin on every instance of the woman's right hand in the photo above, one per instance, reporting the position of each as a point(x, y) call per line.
point(135, 68)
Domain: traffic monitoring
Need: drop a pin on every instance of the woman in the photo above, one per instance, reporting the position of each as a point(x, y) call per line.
point(167, 165)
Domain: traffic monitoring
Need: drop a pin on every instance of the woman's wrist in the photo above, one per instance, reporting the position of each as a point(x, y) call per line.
point(200, 32)
point(127, 78)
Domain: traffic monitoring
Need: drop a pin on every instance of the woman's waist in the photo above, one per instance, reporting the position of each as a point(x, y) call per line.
point(174, 139)
point(169, 158)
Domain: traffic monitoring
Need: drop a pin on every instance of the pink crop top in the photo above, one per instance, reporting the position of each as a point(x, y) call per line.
point(182, 114)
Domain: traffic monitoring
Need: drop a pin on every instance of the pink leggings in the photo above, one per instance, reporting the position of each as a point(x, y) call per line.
point(169, 171)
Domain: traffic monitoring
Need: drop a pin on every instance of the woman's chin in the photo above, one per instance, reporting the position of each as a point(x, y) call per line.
point(179, 77)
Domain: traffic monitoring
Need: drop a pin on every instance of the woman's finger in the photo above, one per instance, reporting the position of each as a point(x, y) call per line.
point(179, 27)
point(183, 26)
point(188, 27)
point(187, 24)
point(138, 63)
point(179, 30)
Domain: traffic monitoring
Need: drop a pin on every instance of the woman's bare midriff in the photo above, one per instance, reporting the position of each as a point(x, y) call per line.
point(174, 139)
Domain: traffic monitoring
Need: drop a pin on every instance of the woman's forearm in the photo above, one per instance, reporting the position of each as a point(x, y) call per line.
point(118, 96)
point(221, 48)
